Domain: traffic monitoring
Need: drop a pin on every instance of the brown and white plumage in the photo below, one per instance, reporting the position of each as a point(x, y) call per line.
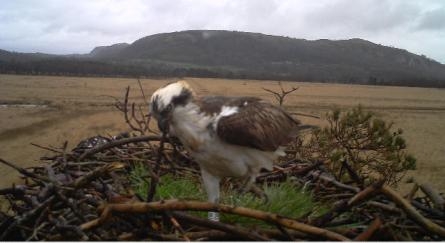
point(227, 136)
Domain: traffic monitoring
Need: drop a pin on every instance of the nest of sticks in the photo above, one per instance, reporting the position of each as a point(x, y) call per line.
point(86, 194)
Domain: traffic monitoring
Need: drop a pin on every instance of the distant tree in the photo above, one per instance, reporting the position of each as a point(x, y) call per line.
point(281, 95)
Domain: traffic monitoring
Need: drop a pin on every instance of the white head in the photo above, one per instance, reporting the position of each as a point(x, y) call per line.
point(166, 99)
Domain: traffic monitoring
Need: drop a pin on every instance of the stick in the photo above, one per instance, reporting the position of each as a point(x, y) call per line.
point(141, 207)
point(234, 230)
point(435, 213)
point(412, 212)
point(384, 206)
point(373, 227)
point(435, 197)
point(83, 180)
point(319, 175)
point(116, 143)
point(208, 235)
point(177, 225)
point(344, 205)
point(352, 173)
point(23, 171)
point(155, 179)
point(46, 148)
point(413, 191)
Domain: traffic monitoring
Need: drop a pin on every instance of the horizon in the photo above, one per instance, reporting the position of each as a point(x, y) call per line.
point(129, 43)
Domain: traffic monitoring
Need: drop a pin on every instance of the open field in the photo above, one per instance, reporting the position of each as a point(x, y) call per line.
point(71, 109)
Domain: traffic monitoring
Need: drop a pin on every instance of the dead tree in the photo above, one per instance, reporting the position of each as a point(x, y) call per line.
point(280, 96)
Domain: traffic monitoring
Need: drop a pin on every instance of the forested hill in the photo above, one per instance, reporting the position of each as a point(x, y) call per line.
point(230, 54)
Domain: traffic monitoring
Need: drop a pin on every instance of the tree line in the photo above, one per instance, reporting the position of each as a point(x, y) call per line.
point(63, 66)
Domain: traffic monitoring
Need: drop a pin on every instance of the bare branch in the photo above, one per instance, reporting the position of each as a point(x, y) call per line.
point(280, 96)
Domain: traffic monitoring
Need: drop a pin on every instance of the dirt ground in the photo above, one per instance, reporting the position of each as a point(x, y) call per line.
point(51, 110)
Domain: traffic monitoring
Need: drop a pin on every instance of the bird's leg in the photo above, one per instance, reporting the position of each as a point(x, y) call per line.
point(211, 185)
point(249, 186)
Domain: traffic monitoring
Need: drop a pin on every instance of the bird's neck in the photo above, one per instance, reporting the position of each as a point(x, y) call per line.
point(190, 125)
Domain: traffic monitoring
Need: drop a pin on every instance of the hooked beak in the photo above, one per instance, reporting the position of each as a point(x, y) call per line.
point(163, 125)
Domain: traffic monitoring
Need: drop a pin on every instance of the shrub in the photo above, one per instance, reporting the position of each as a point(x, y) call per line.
point(359, 141)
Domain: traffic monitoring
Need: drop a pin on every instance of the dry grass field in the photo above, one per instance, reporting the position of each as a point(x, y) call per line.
point(71, 109)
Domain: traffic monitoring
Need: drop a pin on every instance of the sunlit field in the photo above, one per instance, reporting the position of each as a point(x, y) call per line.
point(51, 110)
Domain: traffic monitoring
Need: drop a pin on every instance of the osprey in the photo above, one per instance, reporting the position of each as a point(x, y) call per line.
point(227, 136)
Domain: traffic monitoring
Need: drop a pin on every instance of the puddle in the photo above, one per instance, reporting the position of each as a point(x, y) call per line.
point(22, 106)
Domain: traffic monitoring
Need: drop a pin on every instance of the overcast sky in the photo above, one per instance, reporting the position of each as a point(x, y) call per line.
point(60, 27)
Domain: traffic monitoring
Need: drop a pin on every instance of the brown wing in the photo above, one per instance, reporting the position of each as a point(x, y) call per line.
point(259, 125)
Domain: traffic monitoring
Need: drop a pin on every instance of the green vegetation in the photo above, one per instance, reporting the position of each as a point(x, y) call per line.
point(367, 144)
point(285, 198)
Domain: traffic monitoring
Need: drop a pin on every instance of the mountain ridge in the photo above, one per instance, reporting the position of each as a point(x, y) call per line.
point(234, 54)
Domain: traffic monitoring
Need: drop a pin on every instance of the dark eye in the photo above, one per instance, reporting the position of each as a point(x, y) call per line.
point(168, 108)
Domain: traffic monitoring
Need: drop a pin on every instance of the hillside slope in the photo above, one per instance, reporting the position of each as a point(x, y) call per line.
point(355, 60)
point(231, 54)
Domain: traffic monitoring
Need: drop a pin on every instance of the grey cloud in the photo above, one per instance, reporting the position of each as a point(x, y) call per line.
point(78, 26)
point(363, 16)
point(433, 20)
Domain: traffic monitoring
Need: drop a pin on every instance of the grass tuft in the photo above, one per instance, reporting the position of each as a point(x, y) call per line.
point(285, 199)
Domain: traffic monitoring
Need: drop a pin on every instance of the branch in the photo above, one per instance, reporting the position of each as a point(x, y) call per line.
point(375, 225)
point(142, 207)
point(24, 172)
point(320, 175)
point(155, 179)
point(116, 143)
point(435, 197)
point(412, 212)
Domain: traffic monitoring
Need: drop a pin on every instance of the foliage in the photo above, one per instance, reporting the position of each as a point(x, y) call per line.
point(283, 198)
point(363, 142)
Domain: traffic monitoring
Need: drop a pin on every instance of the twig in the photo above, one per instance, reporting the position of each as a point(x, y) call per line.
point(142, 90)
point(36, 231)
point(412, 192)
point(155, 179)
point(177, 225)
point(116, 143)
point(23, 171)
point(46, 148)
point(304, 114)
